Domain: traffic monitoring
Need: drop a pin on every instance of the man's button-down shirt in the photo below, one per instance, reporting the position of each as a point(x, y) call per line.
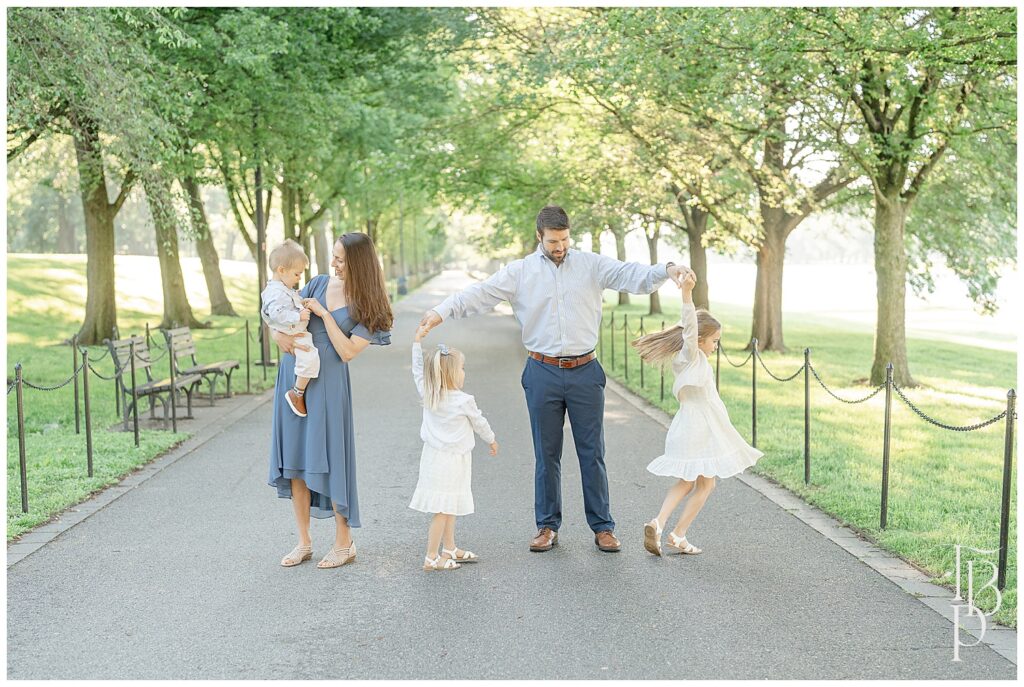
point(557, 306)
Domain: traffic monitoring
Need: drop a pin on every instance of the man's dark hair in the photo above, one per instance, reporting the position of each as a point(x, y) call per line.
point(552, 217)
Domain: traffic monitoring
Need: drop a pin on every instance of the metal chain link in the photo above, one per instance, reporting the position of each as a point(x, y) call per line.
point(10, 387)
point(964, 428)
point(839, 398)
point(726, 356)
point(222, 336)
point(772, 375)
point(63, 384)
point(117, 371)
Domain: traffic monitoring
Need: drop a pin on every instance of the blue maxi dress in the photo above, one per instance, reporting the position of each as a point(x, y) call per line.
point(320, 448)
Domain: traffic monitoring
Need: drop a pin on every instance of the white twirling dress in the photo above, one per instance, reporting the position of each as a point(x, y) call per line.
point(701, 440)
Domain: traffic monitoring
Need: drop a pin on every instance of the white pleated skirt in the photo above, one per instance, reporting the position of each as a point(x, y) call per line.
point(444, 483)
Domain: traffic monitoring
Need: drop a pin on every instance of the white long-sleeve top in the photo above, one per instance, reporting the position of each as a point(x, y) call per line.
point(557, 306)
point(281, 307)
point(450, 426)
point(690, 365)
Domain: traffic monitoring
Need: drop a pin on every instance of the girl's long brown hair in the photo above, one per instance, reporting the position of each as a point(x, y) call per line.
point(662, 346)
point(365, 291)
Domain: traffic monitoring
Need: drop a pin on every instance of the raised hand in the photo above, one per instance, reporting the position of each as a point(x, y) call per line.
point(430, 320)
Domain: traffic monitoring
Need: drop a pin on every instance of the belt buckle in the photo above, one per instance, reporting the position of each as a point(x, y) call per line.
point(567, 362)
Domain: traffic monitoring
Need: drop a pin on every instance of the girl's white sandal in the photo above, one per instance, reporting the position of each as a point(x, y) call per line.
point(652, 537)
point(298, 555)
point(336, 558)
point(466, 557)
point(681, 544)
point(430, 565)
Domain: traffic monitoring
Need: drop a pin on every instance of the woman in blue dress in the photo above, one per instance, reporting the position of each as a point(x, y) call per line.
point(312, 458)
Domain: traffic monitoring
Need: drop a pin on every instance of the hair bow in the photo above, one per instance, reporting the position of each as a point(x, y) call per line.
point(444, 349)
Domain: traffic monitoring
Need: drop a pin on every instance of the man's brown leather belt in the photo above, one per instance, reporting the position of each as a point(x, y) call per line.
point(567, 362)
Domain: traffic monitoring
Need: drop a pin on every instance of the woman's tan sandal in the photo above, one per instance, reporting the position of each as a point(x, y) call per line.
point(432, 564)
point(298, 555)
point(466, 557)
point(681, 544)
point(338, 557)
point(652, 537)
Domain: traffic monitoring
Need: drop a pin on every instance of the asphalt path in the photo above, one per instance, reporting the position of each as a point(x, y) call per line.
point(179, 578)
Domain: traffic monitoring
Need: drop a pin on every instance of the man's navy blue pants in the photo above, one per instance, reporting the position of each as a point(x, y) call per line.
point(550, 393)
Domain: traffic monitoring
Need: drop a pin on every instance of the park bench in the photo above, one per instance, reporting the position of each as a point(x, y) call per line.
point(155, 389)
point(181, 343)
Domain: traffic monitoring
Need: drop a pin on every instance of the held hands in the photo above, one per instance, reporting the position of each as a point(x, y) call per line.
point(677, 273)
point(494, 448)
point(430, 320)
point(421, 332)
point(304, 315)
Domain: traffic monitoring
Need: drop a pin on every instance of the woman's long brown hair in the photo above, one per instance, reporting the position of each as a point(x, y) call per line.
point(365, 291)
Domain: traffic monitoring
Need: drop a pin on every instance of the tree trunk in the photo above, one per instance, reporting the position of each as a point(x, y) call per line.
point(696, 225)
point(620, 253)
point(219, 303)
point(177, 311)
point(891, 280)
point(65, 227)
point(767, 324)
point(100, 301)
point(652, 249)
point(323, 250)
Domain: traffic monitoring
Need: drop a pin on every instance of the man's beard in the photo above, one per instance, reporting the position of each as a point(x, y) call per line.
point(555, 259)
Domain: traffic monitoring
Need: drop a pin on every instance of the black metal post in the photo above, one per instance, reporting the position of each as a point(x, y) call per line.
point(148, 340)
point(600, 339)
point(22, 468)
point(611, 337)
point(1004, 512)
point(807, 416)
point(261, 265)
point(625, 345)
point(135, 397)
point(718, 362)
point(117, 377)
point(753, 393)
point(885, 446)
point(88, 411)
point(248, 364)
point(662, 372)
point(641, 359)
point(174, 391)
point(74, 373)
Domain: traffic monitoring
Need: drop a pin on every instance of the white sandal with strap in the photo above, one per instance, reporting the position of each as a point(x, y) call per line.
point(466, 557)
point(336, 558)
point(430, 565)
point(297, 555)
point(681, 544)
point(652, 537)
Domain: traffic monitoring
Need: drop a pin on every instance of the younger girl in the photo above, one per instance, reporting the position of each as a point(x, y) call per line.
point(449, 418)
point(701, 443)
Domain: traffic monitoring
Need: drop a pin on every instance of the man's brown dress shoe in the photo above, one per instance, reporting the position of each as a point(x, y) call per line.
point(606, 541)
point(545, 539)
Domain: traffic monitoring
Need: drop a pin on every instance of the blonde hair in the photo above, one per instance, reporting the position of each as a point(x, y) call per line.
point(287, 254)
point(662, 346)
point(439, 375)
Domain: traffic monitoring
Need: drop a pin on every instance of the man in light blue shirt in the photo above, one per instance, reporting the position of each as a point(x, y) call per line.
point(556, 293)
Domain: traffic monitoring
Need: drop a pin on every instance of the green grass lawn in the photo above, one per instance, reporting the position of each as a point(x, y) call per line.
point(944, 487)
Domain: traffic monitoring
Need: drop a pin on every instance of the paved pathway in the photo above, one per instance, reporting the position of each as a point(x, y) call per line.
point(178, 577)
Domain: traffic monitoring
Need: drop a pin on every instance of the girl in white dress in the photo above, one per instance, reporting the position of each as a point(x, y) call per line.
point(450, 416)
point(701, 443)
